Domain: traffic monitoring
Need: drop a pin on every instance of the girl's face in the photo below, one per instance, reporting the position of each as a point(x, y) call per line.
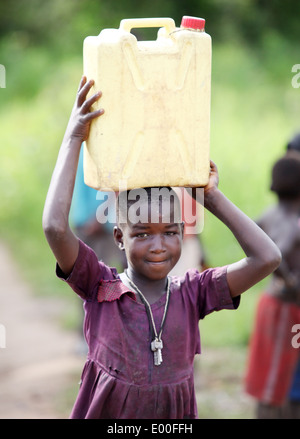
point(152, 249)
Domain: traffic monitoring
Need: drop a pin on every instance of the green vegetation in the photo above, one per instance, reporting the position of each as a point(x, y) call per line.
point(254, 112)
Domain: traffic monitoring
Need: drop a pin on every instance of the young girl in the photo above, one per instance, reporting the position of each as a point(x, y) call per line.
point(142, 326)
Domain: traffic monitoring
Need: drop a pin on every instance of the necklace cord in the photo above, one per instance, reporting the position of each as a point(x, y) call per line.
point(155, 335)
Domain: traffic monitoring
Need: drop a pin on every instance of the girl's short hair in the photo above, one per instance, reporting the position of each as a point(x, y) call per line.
point(286, 176)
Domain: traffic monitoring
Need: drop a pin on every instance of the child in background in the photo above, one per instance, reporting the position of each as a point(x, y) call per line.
point(142, 326)
point(293, 400)
point(272, 357)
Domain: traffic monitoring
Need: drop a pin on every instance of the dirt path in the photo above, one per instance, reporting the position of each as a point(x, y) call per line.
point(39, 361)
point(219, 384)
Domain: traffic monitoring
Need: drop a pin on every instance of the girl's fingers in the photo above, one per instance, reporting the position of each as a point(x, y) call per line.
point(85, 104)
point(89, 102)
point(213, 165)
point(82, 82)
point(93, 114)
point(83, 90)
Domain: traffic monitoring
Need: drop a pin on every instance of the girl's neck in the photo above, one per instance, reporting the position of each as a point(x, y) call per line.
point(151, 289)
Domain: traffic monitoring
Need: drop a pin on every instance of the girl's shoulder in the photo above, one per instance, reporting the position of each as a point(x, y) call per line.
point(207, 290)
point(202, 282)
point(88, 272)
point(194, 276)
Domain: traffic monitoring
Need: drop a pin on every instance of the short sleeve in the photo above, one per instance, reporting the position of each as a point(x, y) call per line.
point(87, 273)
point(209, 290)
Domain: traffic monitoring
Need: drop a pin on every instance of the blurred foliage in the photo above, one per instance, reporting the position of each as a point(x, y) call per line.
point(36, 34)
point(42, 22)
point(254, 112)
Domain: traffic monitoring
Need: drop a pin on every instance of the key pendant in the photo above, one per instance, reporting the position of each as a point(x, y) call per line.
point(156, 347)
point(157, 357)
point(156, 344)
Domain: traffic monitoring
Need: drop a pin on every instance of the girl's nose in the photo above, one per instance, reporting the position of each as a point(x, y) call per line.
point(157, 244)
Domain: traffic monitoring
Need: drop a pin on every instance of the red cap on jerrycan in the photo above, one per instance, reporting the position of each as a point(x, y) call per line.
point(193, 23)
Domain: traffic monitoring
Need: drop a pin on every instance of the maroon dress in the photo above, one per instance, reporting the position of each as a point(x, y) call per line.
point(119, 379)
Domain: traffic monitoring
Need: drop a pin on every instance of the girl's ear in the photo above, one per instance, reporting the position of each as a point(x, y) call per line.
point(118, 236)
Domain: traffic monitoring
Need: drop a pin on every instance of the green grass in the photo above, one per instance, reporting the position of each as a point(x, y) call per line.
point(254, 112)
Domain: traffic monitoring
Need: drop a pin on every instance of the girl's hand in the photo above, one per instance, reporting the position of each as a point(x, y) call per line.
point(213, 182)
point(262, 255)
point(81, 116)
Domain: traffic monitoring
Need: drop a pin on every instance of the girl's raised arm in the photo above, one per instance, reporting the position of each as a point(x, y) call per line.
point(61, 239)
point(262, 255)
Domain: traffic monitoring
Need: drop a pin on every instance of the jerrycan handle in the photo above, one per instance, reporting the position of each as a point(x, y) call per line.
point(129, 23)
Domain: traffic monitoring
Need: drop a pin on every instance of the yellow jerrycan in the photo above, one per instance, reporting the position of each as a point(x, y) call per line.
point(156, 95)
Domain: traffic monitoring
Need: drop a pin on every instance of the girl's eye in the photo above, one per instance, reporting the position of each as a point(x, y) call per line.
point(142, 235)
point(171, 233)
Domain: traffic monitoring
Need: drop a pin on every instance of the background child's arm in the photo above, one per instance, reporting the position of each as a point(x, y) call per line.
point(262, 255)
point(61, 239)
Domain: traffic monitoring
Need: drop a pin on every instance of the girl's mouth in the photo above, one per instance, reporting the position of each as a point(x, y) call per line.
point(157, 262)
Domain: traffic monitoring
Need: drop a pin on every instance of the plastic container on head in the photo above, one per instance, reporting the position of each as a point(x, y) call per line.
point(156, 94)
